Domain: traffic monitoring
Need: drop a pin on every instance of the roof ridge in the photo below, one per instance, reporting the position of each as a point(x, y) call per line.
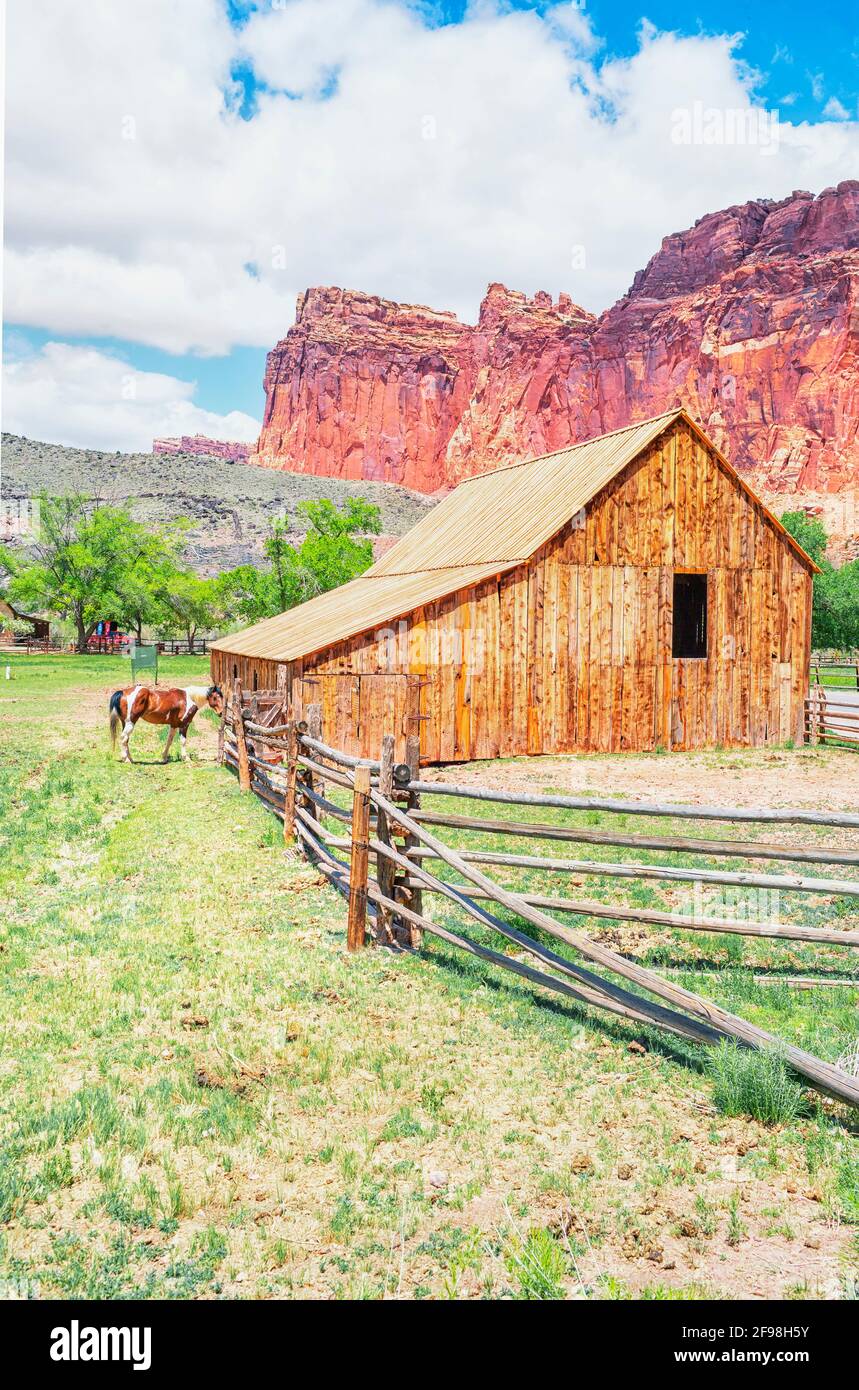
point(438, 569)
point(579, 444)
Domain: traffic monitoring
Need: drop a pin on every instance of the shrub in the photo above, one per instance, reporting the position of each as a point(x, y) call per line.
point(758, 1084)
point(538, 1264)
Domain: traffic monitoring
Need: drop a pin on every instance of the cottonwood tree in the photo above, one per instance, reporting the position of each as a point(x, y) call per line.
point(77, 566)
point(143, 586)
point(336, 548)
point(187, 603)
point(835, 613)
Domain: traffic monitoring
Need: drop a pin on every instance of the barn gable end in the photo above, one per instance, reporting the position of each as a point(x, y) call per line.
point(570, 649)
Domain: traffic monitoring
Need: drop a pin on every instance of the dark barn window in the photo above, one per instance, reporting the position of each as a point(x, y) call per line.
point(690, 615)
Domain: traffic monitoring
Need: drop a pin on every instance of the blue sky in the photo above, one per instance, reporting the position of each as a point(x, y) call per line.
point(792, 44)
point(267, 149)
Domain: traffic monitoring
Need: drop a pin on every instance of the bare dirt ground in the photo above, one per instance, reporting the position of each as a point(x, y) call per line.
point(770, 777)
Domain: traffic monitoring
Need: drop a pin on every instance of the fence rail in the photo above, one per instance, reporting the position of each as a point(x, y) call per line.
point(831, 720)
point(29, 645)
point(843, 675)
point(382, 857)
point(180, 646)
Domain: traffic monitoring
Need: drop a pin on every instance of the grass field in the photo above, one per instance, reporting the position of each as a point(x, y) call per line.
point(201, 1095)
point(842, 677)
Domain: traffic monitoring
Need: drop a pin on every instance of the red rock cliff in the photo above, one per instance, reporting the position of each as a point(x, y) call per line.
point(199, 444)
point(750, 319)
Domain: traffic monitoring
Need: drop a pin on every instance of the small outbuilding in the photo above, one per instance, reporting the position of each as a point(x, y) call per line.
point(627, 593)
point(40, 628)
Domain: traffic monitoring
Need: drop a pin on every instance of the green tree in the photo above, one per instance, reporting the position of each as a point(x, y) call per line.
point(247, 593)
point(335, 549)
point(337, 546)
point(142, 586)
point(809, 532)
point(835, 612)
point(188, 602)
point(77, 567)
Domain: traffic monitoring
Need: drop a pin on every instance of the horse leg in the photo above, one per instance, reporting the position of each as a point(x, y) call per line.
point(170, 738)
point(127, 730)
point(183, 739)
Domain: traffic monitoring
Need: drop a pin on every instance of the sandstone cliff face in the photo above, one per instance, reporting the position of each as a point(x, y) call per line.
point(229, 449)
point(364, 388)
point(750, 319)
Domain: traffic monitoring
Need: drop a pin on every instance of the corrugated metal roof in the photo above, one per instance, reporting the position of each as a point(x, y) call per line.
point(489, 524)
point(503, 516)
point(369, 602)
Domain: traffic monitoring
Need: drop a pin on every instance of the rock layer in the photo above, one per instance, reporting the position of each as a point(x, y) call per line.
point(750, 320)
point(198, 444)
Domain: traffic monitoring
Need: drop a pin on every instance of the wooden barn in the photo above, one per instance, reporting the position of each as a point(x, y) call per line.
point(629, 592)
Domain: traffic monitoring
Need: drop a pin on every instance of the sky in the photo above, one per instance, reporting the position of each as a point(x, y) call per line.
point(176, 175)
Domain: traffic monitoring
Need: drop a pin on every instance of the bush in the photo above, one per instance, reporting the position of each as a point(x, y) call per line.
point(538, 1264)
point(758, 1084)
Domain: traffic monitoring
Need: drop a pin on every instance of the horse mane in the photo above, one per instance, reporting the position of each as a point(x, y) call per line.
point(198, 693)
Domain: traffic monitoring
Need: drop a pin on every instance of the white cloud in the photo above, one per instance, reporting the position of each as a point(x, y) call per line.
point(835, 110)
point(414, 162)
point(195, 303)
point(77, 395)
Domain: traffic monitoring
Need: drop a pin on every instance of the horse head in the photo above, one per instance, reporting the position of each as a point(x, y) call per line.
point(215, 697)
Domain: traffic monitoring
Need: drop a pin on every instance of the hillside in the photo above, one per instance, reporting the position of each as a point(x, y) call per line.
point(230, 504)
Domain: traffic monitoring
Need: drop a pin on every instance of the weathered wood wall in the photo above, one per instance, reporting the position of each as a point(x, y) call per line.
point(572, 651)
point(358, 708)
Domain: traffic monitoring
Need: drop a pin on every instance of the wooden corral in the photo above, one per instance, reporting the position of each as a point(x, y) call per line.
point(306, 783)
point(630, 592)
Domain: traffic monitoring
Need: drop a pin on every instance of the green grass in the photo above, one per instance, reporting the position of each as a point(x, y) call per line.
point(754, 1083)
point(201, 1094)
point(837, 676)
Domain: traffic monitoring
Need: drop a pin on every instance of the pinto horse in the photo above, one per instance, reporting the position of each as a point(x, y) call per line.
point(176, 708)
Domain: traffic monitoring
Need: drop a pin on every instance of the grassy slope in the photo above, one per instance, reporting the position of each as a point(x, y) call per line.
point(201, 1094)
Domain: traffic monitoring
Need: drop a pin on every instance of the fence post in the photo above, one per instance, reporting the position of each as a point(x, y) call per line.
point(413, 801)
point(385, 870)
point(291, 774)
point(241, 740)
point(414, 896)
point(359, 860)
point(812, 706)
point(821, 712)
point(313, 714)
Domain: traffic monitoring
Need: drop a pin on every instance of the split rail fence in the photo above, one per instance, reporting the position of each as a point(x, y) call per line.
point(381, 854)
point(831, 719)
point(838, 674)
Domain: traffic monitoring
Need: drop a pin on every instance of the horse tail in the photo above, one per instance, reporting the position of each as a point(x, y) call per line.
point(115, 716)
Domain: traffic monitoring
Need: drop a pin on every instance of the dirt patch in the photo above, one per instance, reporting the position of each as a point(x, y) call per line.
point(807, 778)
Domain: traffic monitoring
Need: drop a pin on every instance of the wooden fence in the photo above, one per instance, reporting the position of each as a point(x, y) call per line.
point(29, 645)
point(180, 646)
point(380, 850)
point(842, 675)
point(831, 719)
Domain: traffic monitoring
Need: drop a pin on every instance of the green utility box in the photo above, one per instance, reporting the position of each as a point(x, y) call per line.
point(144, 659)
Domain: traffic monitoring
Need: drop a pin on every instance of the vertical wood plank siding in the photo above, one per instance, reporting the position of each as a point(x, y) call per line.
point(572, 650)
